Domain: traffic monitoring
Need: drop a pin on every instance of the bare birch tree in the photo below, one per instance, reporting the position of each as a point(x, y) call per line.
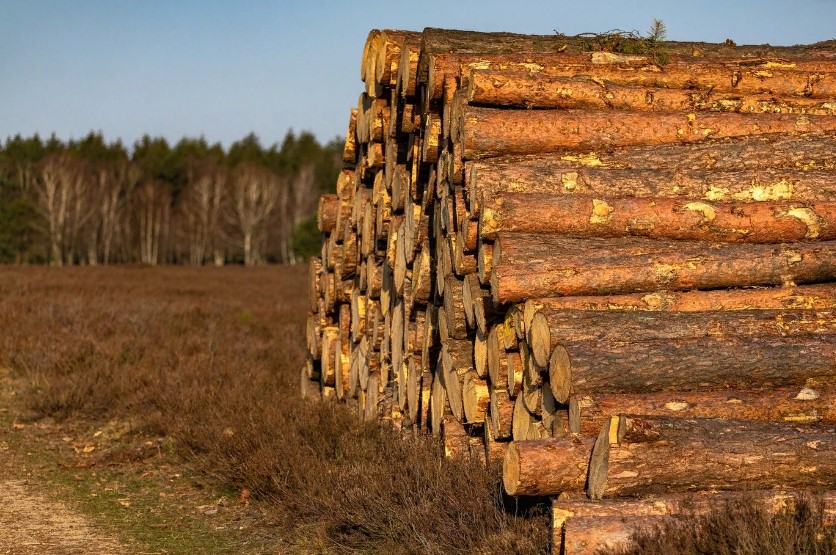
point(255, 192)
point(59, 196)
point(153, 205)
point(201, 205)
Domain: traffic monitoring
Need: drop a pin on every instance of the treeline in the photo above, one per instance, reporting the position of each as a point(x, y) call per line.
point(96, 202)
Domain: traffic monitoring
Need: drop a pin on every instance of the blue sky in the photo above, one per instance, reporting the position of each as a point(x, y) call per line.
point(223, 69)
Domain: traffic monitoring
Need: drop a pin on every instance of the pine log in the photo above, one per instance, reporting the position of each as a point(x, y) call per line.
point(476, 444)
point(547, 467)
point(427, 381)
point(359, 315)
point(354, 369)
point(443, 56)
point(330, 344)
point(315, 286)
point(581, 527)
point(431, 344)
point(419, 389)
point(514, 88)
point(313, 332)
point(657, 217)
point(484, 261)
point(422, 275)
point(496, 360)
point(521, 420)
point(693, 364)
point(374, 278)
point(803, 405)
point(454, 438)
point(457, 363)
point(480, 356)
point(501, 413)
point(471, 289)
point(550, 327)
point(775, 77)
point(669, 455)
point(516, 372)
point(406, 79)
point(494, 448)
point(476, 398)
point(811, 297)
point(488, 132)
point(350, 147)
point(438, 403)
point(548, 266)
point(454, 307)
point(326, 213)
point(374, 325)
point(342, 354)
point(388, 55)
point(741, 168)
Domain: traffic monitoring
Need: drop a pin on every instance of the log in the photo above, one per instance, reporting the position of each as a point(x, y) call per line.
point(802, 405)
point(476, 398)
point(454, 307)
point(522, 89)
point(342, 353)
point(431, 344)
point(374, 277)
point(350, 147)
point(454, 438)
point(773, 167)
point(811, 297)
point(501, 413)
point(548, 466)
point(496, 360)
point(549, 266)
point(516, 372)
point(657, 217)
point(422, 275)
point(669, 455)
point(457, 363)
point(406, 79)
point(388, 55)
point(480, 355)
point(581, 526)
point(326, 213)
point(330, 344)
point(471, 289)
point(550, 327)
point(692, 65)
point(494, 449)
point(438, 403)
point(694, 364)
point(359, 315)
point(315, 285)
point(488, 132)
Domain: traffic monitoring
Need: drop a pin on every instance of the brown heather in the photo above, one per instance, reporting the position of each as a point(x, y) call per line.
point(209, 359)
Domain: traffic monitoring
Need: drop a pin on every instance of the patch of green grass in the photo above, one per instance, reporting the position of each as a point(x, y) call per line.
point(148, 506)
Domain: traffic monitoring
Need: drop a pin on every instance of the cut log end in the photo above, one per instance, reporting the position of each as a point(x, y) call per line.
point(511, 469)
point(560, 373)
point(539, 338)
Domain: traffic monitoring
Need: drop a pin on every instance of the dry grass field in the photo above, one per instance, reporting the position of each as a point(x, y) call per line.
point(163, 402)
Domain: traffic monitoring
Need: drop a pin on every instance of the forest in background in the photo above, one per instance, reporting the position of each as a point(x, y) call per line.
point(90, 201)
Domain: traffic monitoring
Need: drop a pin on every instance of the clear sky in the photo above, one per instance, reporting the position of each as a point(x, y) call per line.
point(223, 69)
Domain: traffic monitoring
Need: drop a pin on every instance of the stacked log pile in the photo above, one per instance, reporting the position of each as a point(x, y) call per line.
point(617, 277)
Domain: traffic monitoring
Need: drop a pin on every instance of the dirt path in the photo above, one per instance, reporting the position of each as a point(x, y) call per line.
point(31, 522)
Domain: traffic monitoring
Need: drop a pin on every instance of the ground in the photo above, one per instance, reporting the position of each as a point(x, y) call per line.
point(32, 520)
